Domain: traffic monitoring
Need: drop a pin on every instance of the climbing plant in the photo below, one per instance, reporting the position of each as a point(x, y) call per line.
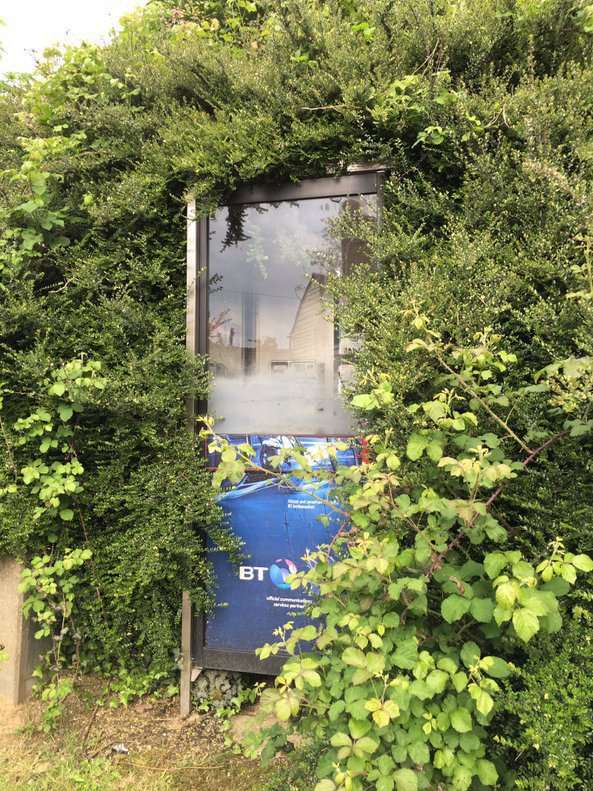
point(421, 603)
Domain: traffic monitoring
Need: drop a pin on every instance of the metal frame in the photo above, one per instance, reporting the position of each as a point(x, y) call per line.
point(360, 180)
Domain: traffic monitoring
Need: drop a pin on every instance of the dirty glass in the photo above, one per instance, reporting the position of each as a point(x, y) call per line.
point(278, 360)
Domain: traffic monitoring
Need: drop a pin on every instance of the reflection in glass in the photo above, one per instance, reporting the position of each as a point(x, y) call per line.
point(275, 352)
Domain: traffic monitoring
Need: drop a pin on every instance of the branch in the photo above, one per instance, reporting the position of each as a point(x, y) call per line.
point(283, 478)
point(437, 562)
point(488, 409)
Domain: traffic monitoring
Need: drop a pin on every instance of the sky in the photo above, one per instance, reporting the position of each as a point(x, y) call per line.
point(32, 25)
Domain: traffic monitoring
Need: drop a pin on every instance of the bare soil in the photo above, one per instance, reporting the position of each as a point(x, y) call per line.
point(145, 746)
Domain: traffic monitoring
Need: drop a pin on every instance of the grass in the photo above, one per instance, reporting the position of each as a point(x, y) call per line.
point(165, 752)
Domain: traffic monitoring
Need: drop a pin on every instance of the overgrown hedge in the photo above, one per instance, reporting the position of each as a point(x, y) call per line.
point(483, 112)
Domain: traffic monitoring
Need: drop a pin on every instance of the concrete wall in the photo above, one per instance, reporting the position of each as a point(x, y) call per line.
point(16, 635)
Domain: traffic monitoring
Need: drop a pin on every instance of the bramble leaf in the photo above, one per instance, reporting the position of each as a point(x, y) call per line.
point(487, 773)
point(405, 780)
point(526, 624)
point(454, 607)
point(354, 657)
point(582, 562)
point(494, 563)
point(461, 720)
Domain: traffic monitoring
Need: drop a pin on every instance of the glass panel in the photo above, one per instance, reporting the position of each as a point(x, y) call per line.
point(274, 350)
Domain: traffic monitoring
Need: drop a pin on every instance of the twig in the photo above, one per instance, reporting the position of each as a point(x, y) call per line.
point(88, 727)
point(326, 107)
point(100, 749)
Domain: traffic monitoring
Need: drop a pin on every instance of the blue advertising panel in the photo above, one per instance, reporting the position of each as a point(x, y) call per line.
point(278, 525)
point(281, 365)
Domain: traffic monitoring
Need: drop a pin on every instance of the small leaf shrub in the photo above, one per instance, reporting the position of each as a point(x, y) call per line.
point(547, 721)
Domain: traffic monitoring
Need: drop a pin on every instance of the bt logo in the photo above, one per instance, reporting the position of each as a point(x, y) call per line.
point(280, 569)
point(248, 573)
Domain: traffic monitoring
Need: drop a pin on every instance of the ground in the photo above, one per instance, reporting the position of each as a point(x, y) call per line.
point(164, 752)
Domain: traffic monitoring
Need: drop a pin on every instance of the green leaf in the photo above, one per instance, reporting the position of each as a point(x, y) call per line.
point(359, 728)
point(416, 445)
point(67, 514)
point(364, 401)
point(435, 410)
point(57, 389)
point(308, 632)
point(470, 742)
point(487, 773)
point(29, 474)
point(65, 412)
point(420, 689)
point(434, 451)
point(283, 710)
point(385, 764)
point(312, 678)
point(354, 657)
point(437, 680)
point(381, 718)
point(340, 740)
point(482, 610)
point(551, 623)
point(406, 654)
point(470, 654)
point(557, 586)
point(501, 614)
point(523, 570)
point(325, 785)
point(484, 702)
point(405, 780)
point(537, 602)
point(447, 664)
point(462, 778)
point(494, 564)
point(375, 663)
point(419, 752)
point(495, 667)
point(454, 607)
point(384, 783)
point(367, 745)
point(361, 676)
point(461, 720)
point(526, 624)
point(582, 562)
point(506, 594)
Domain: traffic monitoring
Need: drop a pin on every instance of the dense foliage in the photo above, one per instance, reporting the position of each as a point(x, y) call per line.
point(482, 111)
point(420, 602)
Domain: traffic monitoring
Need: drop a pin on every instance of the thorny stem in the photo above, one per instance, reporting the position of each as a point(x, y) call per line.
point(488, 409)
point(437, 562)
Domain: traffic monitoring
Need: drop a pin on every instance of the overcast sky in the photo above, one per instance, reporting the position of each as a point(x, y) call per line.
point(32, 25)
